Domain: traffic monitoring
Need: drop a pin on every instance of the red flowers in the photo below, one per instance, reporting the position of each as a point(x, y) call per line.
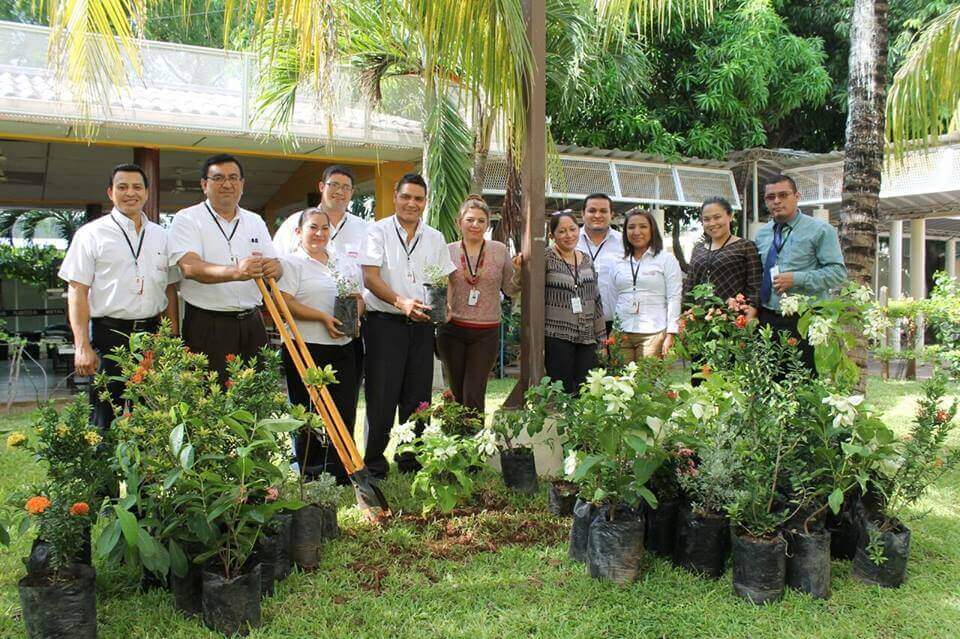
point(447, 395)
point(137, 377)
point(942, 416)
point(792, 341)
point(80, 509)
point(228, 383)
point(671, 394)
point(37, 505)
point(230, 357)
point(741, 321)
point(610, 341)
point(423, 406)
point(272, 495)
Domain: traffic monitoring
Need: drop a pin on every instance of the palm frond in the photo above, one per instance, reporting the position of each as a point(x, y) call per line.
point(449, 143)
point(648, 16)
point(924, 100)
point(279, 77)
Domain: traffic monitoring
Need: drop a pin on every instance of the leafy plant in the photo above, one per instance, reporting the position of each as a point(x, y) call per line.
point(31, 264)
point(434, 276)
point(714, 331)
point(62, 519)
point(322, 491)
point(444, 480)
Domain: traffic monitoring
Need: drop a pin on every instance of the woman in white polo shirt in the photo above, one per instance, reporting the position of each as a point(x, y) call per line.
point(648, 284)
point(309, 287)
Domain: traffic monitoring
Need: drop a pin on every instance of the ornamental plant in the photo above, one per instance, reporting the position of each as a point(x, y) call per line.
point(629, 416)
point(62, 518)
point(452, 417)
point(347, 285)
point(434, 276)
point(443, 481)
point(713, 331)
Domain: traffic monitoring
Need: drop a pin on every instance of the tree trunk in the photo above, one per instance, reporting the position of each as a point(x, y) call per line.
point(864, 149)
point(509, 226)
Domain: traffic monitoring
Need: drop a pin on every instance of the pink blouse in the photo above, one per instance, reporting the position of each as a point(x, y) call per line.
point(496, 273)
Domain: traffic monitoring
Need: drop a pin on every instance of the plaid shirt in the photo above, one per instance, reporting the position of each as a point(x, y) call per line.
point(733, 269)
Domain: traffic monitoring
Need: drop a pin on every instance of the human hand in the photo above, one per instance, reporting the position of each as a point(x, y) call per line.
point(783, 283)
point(331, 323)
point(249, 267)
point(272, 268)
point(85, 361)
point(667, 344)
point(412, 308)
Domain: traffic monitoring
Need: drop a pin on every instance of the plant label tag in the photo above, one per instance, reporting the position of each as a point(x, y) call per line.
point(576, 305)
point(473, 297)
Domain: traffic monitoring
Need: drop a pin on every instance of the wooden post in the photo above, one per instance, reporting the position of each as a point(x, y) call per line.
point(533, 184)
point(149, 161)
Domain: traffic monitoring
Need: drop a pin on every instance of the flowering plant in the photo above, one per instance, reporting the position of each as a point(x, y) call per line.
point(322, 491)
point(434, 276)
point(347, 285)
point(713, 331)
point(454, 418)
point(443, 480)
point(62, 519)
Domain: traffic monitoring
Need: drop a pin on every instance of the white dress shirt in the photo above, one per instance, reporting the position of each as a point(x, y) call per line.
point(198, 229)
point(652, 303)
point(605, 256)
point(346, 238)
point(122, 286)
point(313, 284)
point(387, 247)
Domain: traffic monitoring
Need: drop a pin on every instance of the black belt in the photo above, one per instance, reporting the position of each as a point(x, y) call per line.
point(128, 325)
point(396, 317)
point(237, 315)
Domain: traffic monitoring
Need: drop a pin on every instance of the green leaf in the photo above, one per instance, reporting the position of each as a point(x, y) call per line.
point(648, 496)
point(128, 523)
point(171, 478)
point(835, 500)
point(176, 440)
point(637, 443)
point(4, 536)
point(281, 425)
point(187, 457)
point(178, 560)
point(588, 462)
point(108, 539)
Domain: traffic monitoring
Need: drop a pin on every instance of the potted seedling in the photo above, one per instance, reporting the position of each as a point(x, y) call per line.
point(435, 293)
point(346, 308)
point(316, 522)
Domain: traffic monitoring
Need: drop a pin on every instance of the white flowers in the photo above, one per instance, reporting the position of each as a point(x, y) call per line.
point(876, 323)
point(790, 304)
point(486, 442)
point(445, 452)
point(862, 294)
point(819, 331)
point(616, 391)
point(845, 408)
point(658, 426)
point(570, 464)
point(405, 433)
point(432, 430)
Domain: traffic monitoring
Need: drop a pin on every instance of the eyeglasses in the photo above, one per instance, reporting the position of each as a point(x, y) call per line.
point(337, 186)
point(220, 179)
point(773, 197)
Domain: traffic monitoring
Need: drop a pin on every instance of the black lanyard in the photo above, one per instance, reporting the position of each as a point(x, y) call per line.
point(712, 254)
point(339, 228)
point(784, 234)
point(593, 256)
point(228, 238)
point(404, 245)
point(575, 271)
point(143, 233)
point(635, 272)
point(474, 272)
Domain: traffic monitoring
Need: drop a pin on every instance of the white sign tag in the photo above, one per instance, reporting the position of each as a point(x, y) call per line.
point(576, 305)
point(774, 271)
point(473, 298)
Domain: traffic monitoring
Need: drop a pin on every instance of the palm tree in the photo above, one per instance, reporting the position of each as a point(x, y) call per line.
point(65, 222)
point(864, 149)
point(925, 97)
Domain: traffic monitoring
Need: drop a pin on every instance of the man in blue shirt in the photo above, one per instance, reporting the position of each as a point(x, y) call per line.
point(800, 255)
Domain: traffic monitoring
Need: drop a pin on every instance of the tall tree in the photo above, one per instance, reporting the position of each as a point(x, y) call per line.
point(864, 150)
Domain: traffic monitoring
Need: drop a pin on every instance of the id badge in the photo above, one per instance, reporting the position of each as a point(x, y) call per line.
point(576, 305)
point(411, 277)
point(137, 286)
point(774, 271)
point(473, 298)
point(636, 305)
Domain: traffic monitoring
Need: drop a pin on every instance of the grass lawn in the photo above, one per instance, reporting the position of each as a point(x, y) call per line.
point(504, 573)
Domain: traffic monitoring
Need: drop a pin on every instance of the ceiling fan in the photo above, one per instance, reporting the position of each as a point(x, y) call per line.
point(178, 186)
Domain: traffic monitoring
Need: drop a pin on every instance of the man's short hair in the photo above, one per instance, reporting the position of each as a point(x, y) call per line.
point(219, 158)
point(411, 178)
point(597, 196)
point(339, 169)
point(777, 179)
point(127, 168)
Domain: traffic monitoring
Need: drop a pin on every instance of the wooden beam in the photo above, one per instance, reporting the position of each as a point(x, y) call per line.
point(149, 161)
point(386, 178)
point(533, 186)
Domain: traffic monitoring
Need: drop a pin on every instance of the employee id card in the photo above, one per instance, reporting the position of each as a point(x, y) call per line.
point(774, 271)
point(576, 305)
point(473, 297)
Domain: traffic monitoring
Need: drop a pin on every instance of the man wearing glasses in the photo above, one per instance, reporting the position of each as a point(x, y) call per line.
point(800, 255)
point(347, 231)
point(220, 249)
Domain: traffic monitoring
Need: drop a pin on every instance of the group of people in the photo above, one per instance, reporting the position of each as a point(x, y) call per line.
point(124, 271)
point(598, 277)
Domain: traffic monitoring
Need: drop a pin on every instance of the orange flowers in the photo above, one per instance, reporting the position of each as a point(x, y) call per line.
point(741, 321)
point(610, 341)
point(230, 357)
point(706, 371)
point(228, 383)
point(145, 365)
point(792, 341)
point(37, 505)
point(80, 509)
point(137, 377)
point(671, 394)
point(942, 416)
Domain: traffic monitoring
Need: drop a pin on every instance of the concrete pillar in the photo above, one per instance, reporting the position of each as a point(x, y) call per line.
point(149, 161)
point(660, 216)
point(386, 178)
point(896, 259)
point(951, 258)
point(918, 259)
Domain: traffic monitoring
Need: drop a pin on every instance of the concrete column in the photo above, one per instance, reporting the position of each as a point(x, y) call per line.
point(149, 161)
point(951, 258)
point(660, 216)
point(918, 259)
point(896, 259)
point(386, 178)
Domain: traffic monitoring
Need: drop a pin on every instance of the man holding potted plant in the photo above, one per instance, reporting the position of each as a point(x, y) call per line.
point(399, 255)
point(118, 283)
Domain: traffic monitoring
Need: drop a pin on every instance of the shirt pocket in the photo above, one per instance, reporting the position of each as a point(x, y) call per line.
point(156, 266)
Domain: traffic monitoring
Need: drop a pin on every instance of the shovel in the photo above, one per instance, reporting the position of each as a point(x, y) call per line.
point(368, 493)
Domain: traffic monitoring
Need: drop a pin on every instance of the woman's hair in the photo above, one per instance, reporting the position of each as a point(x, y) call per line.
point(312, 211)
point(559, 215)
point(656, 240)
point(474, 201)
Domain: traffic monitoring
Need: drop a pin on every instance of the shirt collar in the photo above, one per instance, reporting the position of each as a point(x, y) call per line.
point(403, 232)
point(792, 223)
point(586, 237)
point(648, 254)
point(209, 207)
point(126, 221)
point(302, 252)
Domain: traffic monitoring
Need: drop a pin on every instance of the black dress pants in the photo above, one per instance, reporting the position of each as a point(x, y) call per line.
point(105, 335)
point(398, 369)
point(779, 323)
point(316, 454)
point(218, 334)
point(568, 362)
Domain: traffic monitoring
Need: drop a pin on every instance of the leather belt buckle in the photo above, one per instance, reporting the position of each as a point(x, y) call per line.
point(244, 314)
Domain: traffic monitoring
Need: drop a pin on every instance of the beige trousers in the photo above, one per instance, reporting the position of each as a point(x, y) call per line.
point(637, 345)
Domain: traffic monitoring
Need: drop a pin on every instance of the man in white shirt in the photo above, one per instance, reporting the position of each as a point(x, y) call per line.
point(347, 231)
point(220, 249)
point(604, 245)
point(397, 335)
point(118, 283)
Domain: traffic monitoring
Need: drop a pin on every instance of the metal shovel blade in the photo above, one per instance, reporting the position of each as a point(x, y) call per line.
point(368, 493)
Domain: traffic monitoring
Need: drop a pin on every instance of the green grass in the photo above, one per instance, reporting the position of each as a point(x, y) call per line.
point(504, 573)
